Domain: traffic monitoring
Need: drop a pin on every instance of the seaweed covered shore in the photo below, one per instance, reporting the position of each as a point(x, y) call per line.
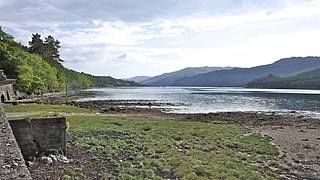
point(296, 137)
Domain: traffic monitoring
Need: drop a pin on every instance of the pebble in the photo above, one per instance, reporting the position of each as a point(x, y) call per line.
point(17, 159)
point(15, 164)
point(30, 163)
point(6, 166)
point(22, 175)
point(46, 160)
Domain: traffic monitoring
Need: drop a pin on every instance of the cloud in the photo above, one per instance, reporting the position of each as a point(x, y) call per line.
point(166, 33)
point(60, 11)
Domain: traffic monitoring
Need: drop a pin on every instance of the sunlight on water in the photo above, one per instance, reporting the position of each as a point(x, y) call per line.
point(204, 100)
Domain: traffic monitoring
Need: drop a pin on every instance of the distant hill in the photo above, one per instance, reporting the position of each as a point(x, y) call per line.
point(137, 79)
point(306, 80)
point(241, 76)
point(169, 79)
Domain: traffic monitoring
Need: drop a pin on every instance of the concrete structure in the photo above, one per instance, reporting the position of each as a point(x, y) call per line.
point(12, 164)
point(40, 135)
point(2, 76)
point(7, 91)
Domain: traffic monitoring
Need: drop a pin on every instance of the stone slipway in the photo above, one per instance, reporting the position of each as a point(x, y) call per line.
point(12, 164)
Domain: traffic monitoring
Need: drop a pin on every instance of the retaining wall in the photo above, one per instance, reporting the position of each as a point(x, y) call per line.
point(12, 164)
point(39, 135)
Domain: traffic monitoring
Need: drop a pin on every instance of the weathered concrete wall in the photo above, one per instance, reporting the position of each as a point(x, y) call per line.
point(37, 136)
point(12, 164)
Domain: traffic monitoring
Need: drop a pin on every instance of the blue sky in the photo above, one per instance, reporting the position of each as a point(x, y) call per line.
point(125, 38)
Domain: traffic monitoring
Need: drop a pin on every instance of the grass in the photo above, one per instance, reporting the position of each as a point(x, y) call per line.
point(43, 110)
point(124, 147)
point(155, 149)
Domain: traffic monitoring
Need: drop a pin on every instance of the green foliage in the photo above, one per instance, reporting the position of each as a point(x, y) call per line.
point(39, 70)
point(47, 49)
point(36, 75)
point(306, 80)
point(33, 74)
point(120, 147)
point(154, 149)
point(78, 80)
point(45, 108)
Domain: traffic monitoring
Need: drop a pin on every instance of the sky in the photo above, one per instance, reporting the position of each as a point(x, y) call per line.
point(126, 38)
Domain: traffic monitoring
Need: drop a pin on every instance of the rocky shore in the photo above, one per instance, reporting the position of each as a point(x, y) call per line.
point(297, 137)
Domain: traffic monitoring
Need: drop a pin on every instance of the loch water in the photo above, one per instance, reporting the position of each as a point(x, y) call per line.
point(218, 99)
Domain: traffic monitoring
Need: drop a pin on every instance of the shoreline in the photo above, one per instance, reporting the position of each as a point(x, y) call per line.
point(296, 137)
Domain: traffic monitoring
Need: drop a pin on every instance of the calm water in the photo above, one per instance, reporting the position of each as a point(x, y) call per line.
point(204, 100)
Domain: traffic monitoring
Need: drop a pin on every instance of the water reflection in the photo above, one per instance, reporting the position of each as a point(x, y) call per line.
point(204, 100)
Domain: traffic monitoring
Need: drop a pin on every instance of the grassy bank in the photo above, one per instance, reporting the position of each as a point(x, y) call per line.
point(124, 147)
point(44, 108)
point(41, 110)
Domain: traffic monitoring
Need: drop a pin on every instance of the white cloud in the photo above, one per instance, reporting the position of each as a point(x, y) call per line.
point(167, 35)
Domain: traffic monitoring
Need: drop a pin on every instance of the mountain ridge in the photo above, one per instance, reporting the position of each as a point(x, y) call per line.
point(167, 79)
point(137, 79)
point(241, 76)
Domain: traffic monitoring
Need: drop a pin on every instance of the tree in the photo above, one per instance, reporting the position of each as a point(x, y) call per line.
point(36, 44)
point(47, 49)
point(51, 47)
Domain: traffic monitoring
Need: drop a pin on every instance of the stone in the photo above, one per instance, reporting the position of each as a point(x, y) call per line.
point(15, 164)
point(53, 157)
point(6, 166)
point(45, 160)
point(30, 163)
point(112, 108)
point(63, 159)
point(17, 159)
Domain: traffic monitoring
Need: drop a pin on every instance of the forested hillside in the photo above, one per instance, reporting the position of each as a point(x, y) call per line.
point(241, 76)
point(306, 80)
point(38, 68)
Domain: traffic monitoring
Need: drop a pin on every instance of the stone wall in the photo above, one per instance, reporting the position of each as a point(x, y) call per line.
point(7, 91)
point(12, 164)
point(38, 136)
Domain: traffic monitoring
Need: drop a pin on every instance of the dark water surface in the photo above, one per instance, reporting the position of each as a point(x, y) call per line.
point(217, 99)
